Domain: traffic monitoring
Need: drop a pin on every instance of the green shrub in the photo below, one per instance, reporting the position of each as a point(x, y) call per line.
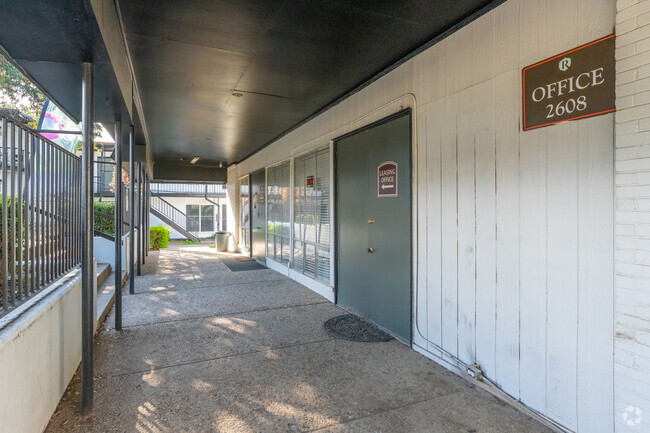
point(104, 224)
point(159, 237)
point(20, 236)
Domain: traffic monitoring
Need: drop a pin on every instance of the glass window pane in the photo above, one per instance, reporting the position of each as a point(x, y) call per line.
point(323, 198)
point(323, 264)
point(298, 256)
point(286, 250)
point(270, 248)
point(310, 260)
point(278, 212)
point(192, 212)
point(207, 218)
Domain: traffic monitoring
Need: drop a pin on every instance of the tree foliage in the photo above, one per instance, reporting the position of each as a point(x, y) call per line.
point(16, 91)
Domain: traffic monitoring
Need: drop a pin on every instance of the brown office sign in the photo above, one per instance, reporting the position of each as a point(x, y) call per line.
point(387, 179)
point(573, 85)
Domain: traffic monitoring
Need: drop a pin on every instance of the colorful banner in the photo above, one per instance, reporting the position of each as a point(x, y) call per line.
point(52, 118)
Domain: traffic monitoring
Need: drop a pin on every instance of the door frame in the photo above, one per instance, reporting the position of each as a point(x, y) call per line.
point(238, 219)
point(335, 142)
point(250, 211)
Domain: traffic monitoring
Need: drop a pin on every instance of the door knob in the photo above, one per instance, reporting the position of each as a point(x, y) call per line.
point(370, 250)
point(370, 221)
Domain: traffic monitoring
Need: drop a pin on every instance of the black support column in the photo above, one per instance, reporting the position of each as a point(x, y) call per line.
point(132, 208)
point(143, 222)
point(118, 225)
point(139, 210)
point(87, 277)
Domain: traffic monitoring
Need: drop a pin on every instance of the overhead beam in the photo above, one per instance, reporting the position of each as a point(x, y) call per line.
point(111, 27)
point(188, 173)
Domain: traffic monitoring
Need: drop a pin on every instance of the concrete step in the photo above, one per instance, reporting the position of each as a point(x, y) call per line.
point(103, 271)
point(106, 297)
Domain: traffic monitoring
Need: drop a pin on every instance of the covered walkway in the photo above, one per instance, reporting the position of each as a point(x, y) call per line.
point(208, 349)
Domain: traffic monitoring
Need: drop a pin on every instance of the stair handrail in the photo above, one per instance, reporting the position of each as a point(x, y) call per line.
point(177, 215)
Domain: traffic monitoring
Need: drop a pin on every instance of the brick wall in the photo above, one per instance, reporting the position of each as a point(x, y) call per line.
point(632, 285)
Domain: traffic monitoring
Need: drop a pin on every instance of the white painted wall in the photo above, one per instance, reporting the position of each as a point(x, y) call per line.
point(104, 251)
point(633, 217)
point(181, 202)
point(39, 352)
point(514, 230)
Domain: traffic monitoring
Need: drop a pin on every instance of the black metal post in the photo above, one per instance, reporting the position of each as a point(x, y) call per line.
point(143, 220)
point(139, 210)
point(5, 226)
point(148, 243)
point(132, 210)
point(118, 225)
point(87, 289)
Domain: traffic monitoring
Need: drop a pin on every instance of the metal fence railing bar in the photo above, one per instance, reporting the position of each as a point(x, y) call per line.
point(40, 213)
point(188, 188)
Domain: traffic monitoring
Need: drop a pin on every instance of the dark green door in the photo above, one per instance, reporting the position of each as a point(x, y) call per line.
point(373, 187)
point(258, 214)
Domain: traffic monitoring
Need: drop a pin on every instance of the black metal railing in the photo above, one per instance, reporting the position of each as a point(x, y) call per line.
point(41, 213)
point(172, 213)
point(104, 179)
point(188, 189)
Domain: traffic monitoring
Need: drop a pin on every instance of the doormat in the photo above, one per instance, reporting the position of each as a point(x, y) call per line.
point(236, 265)
point(354, 328)
point(244, 259)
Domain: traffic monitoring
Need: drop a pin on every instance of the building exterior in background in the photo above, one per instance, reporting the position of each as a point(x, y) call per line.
point(205, 207)
point(516, 270)
point(486, 199)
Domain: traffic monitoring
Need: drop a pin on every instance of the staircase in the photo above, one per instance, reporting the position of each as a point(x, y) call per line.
point(173, 216)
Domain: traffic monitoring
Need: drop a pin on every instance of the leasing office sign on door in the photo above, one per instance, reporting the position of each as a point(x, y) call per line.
point(572, 85)
point(387, 179)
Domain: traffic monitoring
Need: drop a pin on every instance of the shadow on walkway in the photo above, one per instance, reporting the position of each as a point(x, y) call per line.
point(205, 349)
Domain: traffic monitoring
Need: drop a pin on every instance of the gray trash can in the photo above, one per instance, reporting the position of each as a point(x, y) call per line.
point(221, 240)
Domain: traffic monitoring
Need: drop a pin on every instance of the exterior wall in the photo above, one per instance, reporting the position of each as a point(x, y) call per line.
point(39, 352)
point(104, 251)
point(180, 203)
point(632, 343)
point(514, 230)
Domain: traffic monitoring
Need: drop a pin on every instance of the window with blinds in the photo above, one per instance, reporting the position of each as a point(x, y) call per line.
point(311, 254)
point(278, 213)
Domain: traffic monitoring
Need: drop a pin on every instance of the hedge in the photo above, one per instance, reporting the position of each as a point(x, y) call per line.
point(19, 238)
point(159, 237)
point(104, 224)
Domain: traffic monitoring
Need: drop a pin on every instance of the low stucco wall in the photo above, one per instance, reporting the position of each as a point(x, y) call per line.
point(104, 251)
point(40, 350)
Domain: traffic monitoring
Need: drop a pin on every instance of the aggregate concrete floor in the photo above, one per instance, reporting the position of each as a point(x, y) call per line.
point(205, 349)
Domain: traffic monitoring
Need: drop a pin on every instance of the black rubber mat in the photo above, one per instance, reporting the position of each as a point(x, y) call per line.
point(241, 265)
point(351, 327)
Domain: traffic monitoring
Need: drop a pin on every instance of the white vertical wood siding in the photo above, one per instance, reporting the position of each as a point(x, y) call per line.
point(514, 229)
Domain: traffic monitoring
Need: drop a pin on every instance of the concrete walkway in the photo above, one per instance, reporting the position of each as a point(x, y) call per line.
point(205, 349)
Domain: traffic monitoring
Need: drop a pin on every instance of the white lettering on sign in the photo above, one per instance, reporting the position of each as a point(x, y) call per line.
point(569, 85)
point(387, 179)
